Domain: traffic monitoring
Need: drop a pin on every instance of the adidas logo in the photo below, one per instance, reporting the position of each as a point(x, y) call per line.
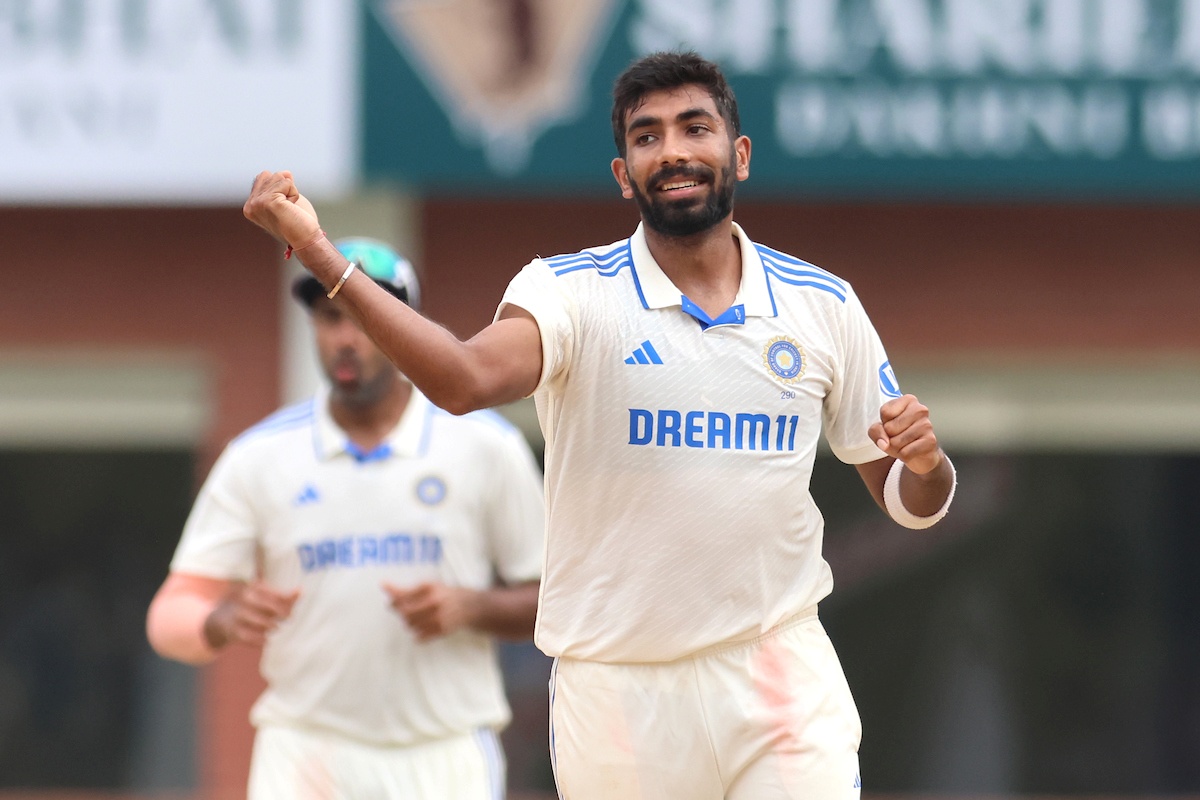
point(309, 495)
point(645, 354)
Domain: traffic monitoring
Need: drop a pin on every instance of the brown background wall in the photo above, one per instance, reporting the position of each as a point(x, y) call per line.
point(934, 278)
point(199, 280)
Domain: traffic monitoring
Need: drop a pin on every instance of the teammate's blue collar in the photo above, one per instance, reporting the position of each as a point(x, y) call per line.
point(408, 439)
point(381, 451)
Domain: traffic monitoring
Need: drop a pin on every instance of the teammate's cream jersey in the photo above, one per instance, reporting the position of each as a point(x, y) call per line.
point(679, 448)
point(444, 498)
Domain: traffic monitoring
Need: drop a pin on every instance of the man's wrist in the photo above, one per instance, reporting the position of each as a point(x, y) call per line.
point(324, 261)
point(306, 241)
point(894, 502)
point(215, 634)
point(474, 608)
point(927, 475)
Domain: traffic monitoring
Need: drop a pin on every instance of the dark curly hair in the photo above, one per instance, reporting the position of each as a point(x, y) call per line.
point(670, 70)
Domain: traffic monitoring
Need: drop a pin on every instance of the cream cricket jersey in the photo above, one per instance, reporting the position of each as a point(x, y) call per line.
point(679, 448)
point(444, 498)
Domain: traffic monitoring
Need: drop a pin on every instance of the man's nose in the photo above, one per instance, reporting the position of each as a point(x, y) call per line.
point(348, 333)
point(674, 149)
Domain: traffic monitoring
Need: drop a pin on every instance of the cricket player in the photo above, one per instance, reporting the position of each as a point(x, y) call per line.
point(374, 546)
point(682, 378)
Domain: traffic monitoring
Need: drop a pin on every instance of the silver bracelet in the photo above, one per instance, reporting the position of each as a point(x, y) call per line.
point(895, 506)
point(337, 286)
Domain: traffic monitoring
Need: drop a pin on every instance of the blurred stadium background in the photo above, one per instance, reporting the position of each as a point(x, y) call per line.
point(1013, 186)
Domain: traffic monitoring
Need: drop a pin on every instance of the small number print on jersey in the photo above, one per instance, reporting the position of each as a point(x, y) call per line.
point(785, 358)
point(431, 490)
point(887, 380)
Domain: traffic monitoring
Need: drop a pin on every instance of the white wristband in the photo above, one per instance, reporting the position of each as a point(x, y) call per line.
point(895, 506)
point(337, 286)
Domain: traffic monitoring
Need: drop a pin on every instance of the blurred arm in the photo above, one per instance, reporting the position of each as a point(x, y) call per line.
point(176, 618)
point(192, 617)
point(434, 609)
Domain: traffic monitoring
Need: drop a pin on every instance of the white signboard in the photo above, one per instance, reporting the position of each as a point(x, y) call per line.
point(181, 101)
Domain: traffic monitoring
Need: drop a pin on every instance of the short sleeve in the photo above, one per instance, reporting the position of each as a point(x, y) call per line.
point(517, 513)
point(221, 534)
point(537, 290)
point(863, 382)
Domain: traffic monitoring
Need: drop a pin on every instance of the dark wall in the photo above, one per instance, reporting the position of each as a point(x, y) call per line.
point(1040, 641)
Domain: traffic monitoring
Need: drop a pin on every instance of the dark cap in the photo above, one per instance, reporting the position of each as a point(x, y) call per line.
point(377, 261)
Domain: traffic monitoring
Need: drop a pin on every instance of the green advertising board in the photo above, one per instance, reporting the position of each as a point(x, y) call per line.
point(842, 99)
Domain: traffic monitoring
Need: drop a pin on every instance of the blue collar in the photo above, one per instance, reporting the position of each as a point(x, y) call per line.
point(734, 315)
point(382, 450)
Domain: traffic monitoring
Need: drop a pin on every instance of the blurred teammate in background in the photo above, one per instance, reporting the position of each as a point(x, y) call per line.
point(682, 378)
point(373, 545)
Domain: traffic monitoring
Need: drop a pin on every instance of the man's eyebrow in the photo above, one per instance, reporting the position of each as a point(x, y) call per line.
point(693, 113)
point(649, 121)
point(644, 121)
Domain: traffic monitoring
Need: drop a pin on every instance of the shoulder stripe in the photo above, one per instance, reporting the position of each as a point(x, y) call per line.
point(794, 281)
point(605, 272)
point(606, 263)
point(605, 253)
point(804, 270)
point(798, 276)
point(784, 261)
point(284, 419)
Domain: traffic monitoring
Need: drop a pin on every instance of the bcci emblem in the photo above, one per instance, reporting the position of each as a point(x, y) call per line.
point(431, 490)
point(785, 359)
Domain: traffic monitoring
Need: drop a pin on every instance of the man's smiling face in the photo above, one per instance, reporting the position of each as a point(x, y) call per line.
point(681, 162)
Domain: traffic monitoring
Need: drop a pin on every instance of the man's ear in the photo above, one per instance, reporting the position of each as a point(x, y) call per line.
point(621, 173)
point(741, 147)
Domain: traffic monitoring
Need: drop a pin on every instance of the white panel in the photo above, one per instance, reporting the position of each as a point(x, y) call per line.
point(102, 400)
point(1128, 403)
point(175, 100)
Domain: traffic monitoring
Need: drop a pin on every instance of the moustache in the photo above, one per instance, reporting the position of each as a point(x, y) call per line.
point(346, 360)
point(670, 174)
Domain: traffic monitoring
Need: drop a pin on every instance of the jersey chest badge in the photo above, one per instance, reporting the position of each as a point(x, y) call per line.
point(431, 490)
point(785, 360)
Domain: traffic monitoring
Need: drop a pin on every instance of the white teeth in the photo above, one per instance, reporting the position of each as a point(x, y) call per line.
point(681, 185)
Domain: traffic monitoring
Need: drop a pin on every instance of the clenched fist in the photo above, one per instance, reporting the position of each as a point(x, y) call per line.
point(276, 206)
point(905, 432)
point(247, 614)
point(433, 609)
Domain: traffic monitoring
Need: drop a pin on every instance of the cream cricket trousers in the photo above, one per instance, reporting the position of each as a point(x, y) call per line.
point(767, 719)
point(295, 764)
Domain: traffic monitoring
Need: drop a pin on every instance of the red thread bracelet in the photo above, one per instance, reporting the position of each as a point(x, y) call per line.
point(288, 253)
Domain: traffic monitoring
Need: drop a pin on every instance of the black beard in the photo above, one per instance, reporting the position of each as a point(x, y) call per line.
point(684, 218)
